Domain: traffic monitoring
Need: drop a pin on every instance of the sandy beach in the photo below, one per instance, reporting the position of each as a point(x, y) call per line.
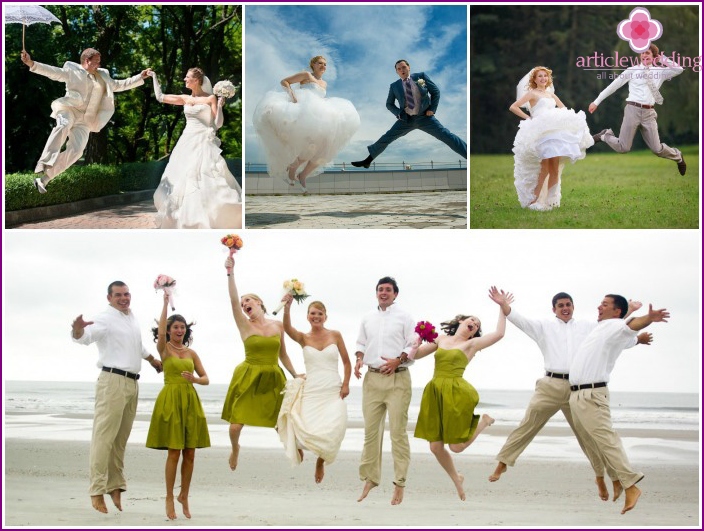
point(46, 485)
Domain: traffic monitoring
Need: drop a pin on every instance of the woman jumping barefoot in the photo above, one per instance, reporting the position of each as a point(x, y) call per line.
point(447, 408)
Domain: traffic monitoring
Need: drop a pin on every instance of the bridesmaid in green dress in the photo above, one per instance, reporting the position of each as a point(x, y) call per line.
point(447, 408)
point(178, 422)
point(254, 397)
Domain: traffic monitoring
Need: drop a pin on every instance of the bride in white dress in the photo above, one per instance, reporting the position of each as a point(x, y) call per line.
point(546, 139)
point(197, 191)
point(302, 130)
point(313, 415)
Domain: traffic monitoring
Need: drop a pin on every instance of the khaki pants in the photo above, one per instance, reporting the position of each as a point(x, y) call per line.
point(646, 119)
point(53, 161)
point(115, 410)
point(592, 419)
point(382, 393)
point(551, 395)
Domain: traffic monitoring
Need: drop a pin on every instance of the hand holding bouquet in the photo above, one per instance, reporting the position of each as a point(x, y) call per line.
point(166, 283)
point(296, 289)
point(224, 89)
point(233, 243)
point(425, 331)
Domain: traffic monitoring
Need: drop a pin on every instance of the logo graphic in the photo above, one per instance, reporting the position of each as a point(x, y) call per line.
point(639, 30)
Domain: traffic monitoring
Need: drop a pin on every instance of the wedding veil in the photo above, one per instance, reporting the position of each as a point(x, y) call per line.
point(207, 86)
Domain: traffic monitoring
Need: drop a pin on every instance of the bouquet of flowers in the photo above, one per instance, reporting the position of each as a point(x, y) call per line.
point(296, 289)
point(233, 243)
point(224, 89)
point(166, 283)
point(425, 331)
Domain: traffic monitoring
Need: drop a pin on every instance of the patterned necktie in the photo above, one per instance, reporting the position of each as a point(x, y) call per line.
point(410, 100)
point(653, 89)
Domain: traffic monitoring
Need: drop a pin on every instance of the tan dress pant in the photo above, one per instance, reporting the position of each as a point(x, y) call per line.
point(382, 393)
point(551, 395)
point(53, 161)
point(115, 410)
point(592, 419)
point(633, 118)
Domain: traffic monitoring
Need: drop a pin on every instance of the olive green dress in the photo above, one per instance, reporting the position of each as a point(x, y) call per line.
point(254, 397)
point(178, 420)
point(447, 407)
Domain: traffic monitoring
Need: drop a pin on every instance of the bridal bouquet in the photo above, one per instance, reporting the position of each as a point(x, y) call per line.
point(233, 243)
point(166, 283)
point(224, 89)
point(425, 331)
point(296, 289)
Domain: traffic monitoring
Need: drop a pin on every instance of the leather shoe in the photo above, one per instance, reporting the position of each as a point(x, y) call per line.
point(598, 137)
point(682, 166)
point(39, 185)
point(363, 163)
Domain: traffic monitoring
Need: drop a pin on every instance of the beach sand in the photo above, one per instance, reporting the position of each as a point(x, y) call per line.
point(46, 484)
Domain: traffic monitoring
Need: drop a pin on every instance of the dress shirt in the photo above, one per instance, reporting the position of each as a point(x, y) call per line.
point(635, 76)
point(417, 97)
point(385, 333)
point(119, 340)
point(557, 340)
point(596, 356)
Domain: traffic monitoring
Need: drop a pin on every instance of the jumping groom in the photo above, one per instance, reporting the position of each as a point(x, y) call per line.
point(418, 98)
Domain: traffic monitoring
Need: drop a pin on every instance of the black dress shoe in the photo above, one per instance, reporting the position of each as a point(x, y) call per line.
point(682, 166)
point(363, 163)
point(598, 137)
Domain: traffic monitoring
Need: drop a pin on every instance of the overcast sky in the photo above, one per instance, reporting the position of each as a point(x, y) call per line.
point(361, 44)
point(49, 277)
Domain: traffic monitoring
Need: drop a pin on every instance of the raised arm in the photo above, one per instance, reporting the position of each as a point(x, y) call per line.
point(425, 350)
point(173, 99)
point(346, 365)
point(161, 331)
point(499, 297)
point(240, 318)
point(288, 327)
point(653, 316)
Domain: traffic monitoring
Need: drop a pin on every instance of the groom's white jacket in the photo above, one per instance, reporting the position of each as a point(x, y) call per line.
point(77, 89)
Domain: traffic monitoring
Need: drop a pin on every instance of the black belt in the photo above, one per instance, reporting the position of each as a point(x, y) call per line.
point(558, 375)
point(640, 105)
point(121, 373)
point(374, 369)
point(587, 386)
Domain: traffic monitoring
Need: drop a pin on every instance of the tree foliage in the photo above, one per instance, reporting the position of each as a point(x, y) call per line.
point(507, 41)
point(168, 38)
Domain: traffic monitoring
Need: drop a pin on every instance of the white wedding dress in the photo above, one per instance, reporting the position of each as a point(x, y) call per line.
point(551, 132)
point(314, 129)
point(313, 416)
point(197, 191)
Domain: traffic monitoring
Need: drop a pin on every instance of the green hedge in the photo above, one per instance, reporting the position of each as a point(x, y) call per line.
point(82, 182)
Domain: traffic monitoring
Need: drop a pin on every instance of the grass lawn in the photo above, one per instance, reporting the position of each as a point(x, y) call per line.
point(606, 190)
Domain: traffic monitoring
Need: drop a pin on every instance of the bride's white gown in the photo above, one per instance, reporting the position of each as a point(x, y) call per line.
point(197, 191)
point(313, 416)
point(551, 132)
point(314, 129)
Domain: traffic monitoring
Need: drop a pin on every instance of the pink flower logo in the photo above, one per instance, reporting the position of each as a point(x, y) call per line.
point(639, 30)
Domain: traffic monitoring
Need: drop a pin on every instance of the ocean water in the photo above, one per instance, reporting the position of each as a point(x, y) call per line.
point(64, 411)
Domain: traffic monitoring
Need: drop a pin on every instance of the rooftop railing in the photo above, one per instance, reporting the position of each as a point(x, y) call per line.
point(258, 167)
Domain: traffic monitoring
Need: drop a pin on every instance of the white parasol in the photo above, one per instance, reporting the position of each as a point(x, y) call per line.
point(26, 14)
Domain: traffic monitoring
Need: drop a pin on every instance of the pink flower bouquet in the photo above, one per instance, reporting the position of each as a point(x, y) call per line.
point(166, 283)
point(425, 331)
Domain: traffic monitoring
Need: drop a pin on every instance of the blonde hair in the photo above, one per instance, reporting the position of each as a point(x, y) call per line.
point(197, 73)
point(319, 305)
point(533, 73)
point(256, 298)
point(315, 60)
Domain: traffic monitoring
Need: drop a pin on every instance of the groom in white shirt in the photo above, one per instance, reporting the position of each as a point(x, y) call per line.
point(644, 82)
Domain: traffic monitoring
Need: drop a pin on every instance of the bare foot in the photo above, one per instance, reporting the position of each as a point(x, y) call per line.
point(115, 495)
point(488, 420)
point(98, 503)
point(183, 500)
point(398, 495)
point(618, 489)
point(300, 454)
point(500, 469)
point(291, 174)
point(632, 495)
point(234, 454)
point(170, 509)
point(319, 470)
point(601, 486)
point(368, 485)
point(459, 485)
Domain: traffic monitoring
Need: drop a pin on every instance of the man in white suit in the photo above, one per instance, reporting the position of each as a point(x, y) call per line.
point(87, 106)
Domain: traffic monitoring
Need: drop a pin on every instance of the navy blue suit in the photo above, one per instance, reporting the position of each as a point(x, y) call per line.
point(430, 98)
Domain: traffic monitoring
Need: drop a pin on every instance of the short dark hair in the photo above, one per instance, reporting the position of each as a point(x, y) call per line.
point(388, 280)
point(88, 53)
point(402, 61)
point(561, 295)
point(117, 283)
point(620, 302)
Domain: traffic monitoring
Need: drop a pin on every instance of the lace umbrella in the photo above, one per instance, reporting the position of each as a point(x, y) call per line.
point(26, 14)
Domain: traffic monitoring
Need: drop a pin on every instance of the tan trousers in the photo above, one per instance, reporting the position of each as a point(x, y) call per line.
point(382, 393)
point(551, 395)
point(53, 161)
point(646, 119)
point(592, 419)
point(115, 410)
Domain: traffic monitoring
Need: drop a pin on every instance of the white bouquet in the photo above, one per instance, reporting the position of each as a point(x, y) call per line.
point(296, 289)
point(224, 89)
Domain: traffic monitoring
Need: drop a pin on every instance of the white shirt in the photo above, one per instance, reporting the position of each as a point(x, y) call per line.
point(119, 340)
point(557, 340)
point(596, 356)
point(94, 97)
point(637, 79)
point(385, 333)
